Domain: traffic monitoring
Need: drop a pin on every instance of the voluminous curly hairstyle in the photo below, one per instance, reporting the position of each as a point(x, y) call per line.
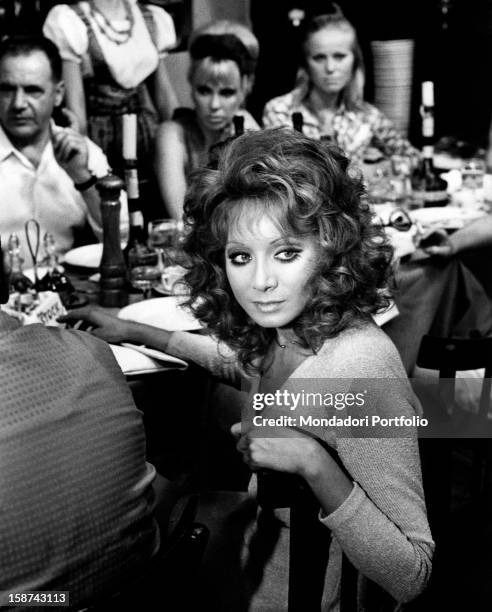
point(304, 187)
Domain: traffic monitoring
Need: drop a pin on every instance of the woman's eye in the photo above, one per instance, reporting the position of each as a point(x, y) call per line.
point(339, 56)
point(318, 58)
point(239, 259)
point(203, 91)
point(227, 93)
point(288, 255)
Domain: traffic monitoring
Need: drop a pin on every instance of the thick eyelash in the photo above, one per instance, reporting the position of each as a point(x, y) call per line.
point(295, 253)
point(231, 257)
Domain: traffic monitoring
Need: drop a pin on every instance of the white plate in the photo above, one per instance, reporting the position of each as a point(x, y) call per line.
point(446, 217)
point(88, 256)
point(164, 312)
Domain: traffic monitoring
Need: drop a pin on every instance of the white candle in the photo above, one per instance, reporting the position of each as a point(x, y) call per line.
point(130, 136)
point(428, 93)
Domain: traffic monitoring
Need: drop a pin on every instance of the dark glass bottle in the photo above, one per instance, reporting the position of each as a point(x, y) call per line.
point(238, 121)
point(429, 189)
point(297, 121)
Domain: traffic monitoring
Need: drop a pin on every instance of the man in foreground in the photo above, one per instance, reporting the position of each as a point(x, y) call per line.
point(76, 498)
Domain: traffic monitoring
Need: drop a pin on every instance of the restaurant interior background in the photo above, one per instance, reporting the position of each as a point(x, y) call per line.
point(453, 47)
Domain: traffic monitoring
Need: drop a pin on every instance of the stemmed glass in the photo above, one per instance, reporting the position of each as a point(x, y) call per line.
point(145, 273)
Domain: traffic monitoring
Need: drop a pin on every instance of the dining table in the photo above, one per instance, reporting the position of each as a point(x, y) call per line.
point(431, 295)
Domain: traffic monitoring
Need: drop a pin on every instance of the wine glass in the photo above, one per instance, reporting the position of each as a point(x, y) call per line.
point(144, 269)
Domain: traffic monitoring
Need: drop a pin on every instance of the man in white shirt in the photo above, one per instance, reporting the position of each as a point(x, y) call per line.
point(46, 172)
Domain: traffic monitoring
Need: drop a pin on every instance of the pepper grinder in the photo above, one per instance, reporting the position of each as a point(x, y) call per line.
point(113, 283)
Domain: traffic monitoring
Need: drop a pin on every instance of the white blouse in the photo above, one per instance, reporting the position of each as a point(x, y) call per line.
point(130, 63)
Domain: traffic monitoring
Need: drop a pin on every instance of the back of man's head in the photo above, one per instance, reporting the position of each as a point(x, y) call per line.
point(14, 46)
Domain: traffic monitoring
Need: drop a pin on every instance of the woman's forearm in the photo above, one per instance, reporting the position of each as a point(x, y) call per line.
point(203, 350)
point(139, 333)
point(326, 480)
point(74, 93)
point(473, 236)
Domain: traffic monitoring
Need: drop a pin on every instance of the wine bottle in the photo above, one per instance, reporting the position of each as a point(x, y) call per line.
point(216, 149)
point(429, 189)
point(136, 236)
point(238, 121)
point(297, 121)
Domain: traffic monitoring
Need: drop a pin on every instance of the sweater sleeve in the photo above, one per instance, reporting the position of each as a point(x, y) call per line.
point(208, 353)
point(382, 526)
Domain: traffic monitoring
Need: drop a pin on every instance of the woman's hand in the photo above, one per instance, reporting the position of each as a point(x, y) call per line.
point(437, 243)
point(296, 453)
point(105, 326)
point(291, 451)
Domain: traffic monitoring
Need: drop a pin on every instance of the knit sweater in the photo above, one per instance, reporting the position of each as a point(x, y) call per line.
point(382, 526)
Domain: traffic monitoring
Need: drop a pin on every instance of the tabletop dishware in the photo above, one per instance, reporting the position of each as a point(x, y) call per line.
point(143, 265)
point(163, 236)
point(87, 256)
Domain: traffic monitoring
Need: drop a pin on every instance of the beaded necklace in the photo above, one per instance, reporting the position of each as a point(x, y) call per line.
point(107, 29)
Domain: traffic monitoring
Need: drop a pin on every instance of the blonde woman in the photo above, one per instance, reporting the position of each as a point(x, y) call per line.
point(330, 93)
point(218, 77)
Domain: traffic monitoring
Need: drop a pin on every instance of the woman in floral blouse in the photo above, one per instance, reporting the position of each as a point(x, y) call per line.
point(330, 93)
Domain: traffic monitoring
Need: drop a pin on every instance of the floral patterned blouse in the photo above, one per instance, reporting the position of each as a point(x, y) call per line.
point(354, 131)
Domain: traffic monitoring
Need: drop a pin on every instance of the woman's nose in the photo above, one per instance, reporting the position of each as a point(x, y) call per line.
point(330, 64)
point(215, 101)
point(264, 278)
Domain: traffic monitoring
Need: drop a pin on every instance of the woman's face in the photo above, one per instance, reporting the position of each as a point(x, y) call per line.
point(267, 270)
point(330, 59)
point(217, 89)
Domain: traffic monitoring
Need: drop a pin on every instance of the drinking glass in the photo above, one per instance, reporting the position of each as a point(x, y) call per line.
point(163, 237)
point(144, 269)
point(472, 176)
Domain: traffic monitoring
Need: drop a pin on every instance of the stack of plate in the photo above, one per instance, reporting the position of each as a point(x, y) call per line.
point(393, 69)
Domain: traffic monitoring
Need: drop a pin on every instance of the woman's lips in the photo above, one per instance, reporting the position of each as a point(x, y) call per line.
point(270, 306)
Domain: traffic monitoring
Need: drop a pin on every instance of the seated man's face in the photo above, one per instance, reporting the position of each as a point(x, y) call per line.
point(28, 95)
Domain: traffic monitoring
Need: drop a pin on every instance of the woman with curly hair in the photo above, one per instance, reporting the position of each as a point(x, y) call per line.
point(286, 271)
